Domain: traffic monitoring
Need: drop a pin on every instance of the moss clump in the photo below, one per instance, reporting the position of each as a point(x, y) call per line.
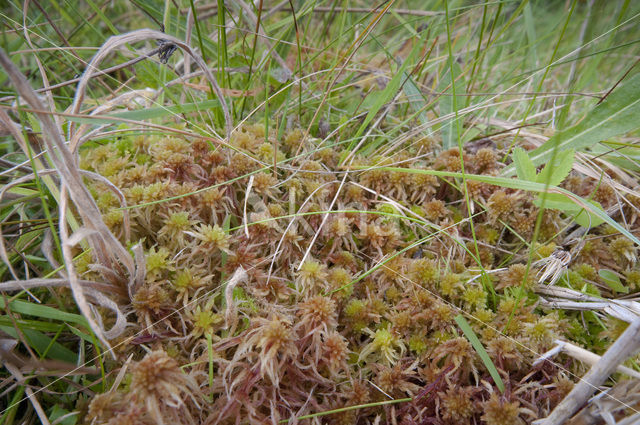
point(516, 276)
point(314, 320)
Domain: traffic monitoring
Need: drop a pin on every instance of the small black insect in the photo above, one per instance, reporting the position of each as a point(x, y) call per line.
point(166, 49)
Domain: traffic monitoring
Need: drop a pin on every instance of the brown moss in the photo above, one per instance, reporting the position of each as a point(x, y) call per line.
point(396, 380)
point(317, 312)
point(486, 159)
point(158, 384)
point(498, 411)
point(515, 277)
point(335, 352)
point(499, 204)
point(435, 210)
point(456, 405)
point(307, 338)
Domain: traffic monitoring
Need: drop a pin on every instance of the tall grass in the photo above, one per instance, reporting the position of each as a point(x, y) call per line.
point(389, 90)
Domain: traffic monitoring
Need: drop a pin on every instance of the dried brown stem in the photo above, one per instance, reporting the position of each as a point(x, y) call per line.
point(625, 346)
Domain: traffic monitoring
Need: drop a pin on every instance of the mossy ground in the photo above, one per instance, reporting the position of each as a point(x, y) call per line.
point(367, 316)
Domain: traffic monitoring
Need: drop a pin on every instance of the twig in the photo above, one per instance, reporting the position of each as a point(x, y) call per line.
point(625, 346)
point(579, 353)
point(618, 82)
point(141, 35)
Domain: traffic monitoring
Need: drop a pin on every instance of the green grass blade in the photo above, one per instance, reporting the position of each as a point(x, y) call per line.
point(417, 101)
point(162, 111)
point(530, 186)
point(618, 114)
point(32, 324)
point(613, 281)
point(43, 311)
point(477, 345)
point(448, 128)
point(387, 93)
point(531, 31)
point(42, 343)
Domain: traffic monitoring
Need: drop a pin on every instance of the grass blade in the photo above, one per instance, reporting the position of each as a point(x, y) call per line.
point(449, 135)
point(531, 186)
point(616, 115)
point(477, 345)
point(387, 93)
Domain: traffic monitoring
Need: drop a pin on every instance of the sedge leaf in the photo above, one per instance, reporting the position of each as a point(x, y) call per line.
point(449, 137)
point(387, 93)
point(524, 185)
point(580, 215)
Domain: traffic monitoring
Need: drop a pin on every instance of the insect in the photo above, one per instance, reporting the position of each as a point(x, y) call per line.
point(165, 50)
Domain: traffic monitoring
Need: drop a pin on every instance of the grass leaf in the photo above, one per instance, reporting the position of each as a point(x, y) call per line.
point(589, 206)
point(618, 114)
point(449, 137)
point(163, 111)
point(477, 345)
point(416, 100)
point(580, 215)
point(42, 343)
point(387, 93)
point(43, 311)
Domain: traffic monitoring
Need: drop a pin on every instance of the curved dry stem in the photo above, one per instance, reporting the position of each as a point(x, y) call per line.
point(94, 291)
point(138, 280)
point(231, 313)
point(140, 35)
point(80, 137)
point(74, 283)
point(111, 253)
point(47, 250)
point(123, 201)
point(17, 285)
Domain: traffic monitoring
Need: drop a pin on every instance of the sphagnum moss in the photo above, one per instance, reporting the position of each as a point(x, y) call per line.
point(307, 337)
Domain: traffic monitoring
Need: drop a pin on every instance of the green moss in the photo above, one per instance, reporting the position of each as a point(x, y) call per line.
point(474, 298)
point(355, 308)
point(418, 344)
